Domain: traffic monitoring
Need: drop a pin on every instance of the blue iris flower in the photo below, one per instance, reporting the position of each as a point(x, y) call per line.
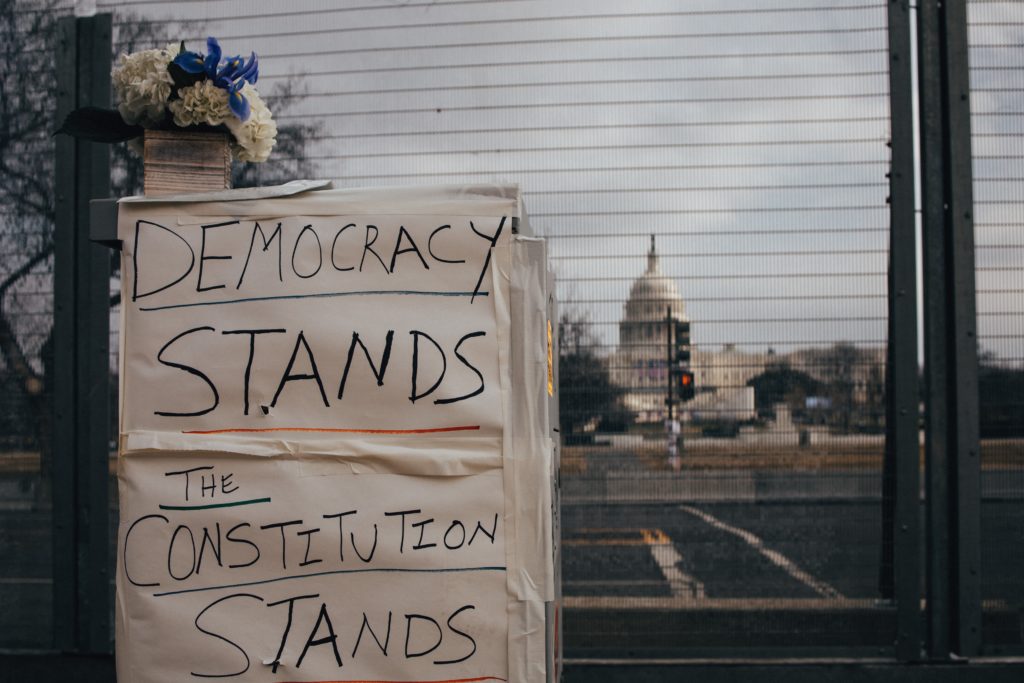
point(230, 75)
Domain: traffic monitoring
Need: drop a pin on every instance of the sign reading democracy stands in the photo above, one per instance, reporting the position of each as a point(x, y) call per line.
point(312, 478)
point(302, 321)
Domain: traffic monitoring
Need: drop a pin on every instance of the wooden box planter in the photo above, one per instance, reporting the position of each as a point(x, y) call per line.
point(180, 162)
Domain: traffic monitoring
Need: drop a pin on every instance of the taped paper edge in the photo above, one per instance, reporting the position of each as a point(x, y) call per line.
point(527, 426)
point(456, 200)
point(448, 456)
point(527, 460)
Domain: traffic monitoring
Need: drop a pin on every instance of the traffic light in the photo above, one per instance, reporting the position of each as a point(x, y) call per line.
point(682, 343)
point(686, 388)
point(681, 372)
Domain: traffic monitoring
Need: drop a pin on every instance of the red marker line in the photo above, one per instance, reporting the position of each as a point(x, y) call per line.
point(443, 680)
point(430, 430)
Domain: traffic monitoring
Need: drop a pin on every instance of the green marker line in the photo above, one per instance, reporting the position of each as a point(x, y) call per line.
point(367, 570)
point(215, 505)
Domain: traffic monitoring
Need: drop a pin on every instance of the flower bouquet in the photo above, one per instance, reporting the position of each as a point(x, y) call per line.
point(175, 89)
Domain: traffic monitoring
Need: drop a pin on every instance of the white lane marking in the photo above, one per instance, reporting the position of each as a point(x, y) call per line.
point(668, 559)
point(820, 587)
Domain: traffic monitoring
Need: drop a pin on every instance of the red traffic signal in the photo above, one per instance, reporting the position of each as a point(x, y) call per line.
point(686, 385)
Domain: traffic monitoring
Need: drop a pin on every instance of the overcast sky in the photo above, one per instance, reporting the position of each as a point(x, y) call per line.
point(748, 135)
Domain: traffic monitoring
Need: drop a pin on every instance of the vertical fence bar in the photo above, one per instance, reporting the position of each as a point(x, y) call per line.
point(62, 459)
point(902, 449)
point(964, 344)
point(937, 588)
point(953, 473)
point(81, 353)
point(93, 350)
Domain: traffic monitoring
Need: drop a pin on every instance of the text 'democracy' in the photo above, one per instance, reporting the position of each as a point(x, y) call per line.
point(322, 324)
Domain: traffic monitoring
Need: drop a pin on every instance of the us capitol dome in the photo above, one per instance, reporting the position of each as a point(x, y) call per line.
point(641, 362)
point(639, 366)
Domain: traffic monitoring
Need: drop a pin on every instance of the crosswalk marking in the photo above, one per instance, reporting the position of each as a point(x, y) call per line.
point(820, 587)
point(663, 551)
point(668, 559)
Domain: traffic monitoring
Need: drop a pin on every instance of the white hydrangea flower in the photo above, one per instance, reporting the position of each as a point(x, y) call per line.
point(256, 136)
point(201, 103)
point(143, 84)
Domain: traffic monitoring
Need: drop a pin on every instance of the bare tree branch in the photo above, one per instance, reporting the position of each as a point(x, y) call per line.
point(22, 271)
point(28, 30)
point(9, 345)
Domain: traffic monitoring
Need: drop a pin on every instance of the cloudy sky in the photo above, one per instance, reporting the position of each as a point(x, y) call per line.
point(749, 136)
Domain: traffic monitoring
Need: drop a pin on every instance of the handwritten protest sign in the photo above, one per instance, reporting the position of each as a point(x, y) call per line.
point(310, 321)
point(313, 477)
point(269, 568)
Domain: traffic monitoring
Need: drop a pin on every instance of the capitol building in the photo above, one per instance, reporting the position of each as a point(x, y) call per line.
point(639, 365)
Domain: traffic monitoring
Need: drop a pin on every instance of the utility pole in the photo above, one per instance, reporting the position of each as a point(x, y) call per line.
point(677, 337)
point(671, 425)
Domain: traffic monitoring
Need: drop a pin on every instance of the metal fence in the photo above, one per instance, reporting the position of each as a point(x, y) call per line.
point(996, 31)
point(744, 166)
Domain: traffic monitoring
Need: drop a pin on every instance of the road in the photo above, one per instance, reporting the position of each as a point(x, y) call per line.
point(769, 556)
point(727, 550)
point(758, 556)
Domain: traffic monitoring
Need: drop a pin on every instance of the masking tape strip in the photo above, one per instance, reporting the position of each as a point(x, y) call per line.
point(454, 200)
point(448, 456)
point(528, 422)
point(527, 460)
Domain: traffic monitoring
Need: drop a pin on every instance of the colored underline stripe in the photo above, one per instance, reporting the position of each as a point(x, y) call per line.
point(243, 430)
point(369, 570)
point(442, 680)
point(236, 503)
point(320, 295)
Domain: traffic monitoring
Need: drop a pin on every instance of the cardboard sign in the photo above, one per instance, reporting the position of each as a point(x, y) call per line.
point(364, 323)
point(278, 569)
point(314, 457)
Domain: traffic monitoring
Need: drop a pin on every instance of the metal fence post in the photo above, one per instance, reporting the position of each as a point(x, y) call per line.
point(62, 465)
point(902, 471)
point(81, 576)
point(951, 362)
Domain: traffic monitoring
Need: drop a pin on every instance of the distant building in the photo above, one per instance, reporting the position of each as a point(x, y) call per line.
point(721, 379)
point(640, 364)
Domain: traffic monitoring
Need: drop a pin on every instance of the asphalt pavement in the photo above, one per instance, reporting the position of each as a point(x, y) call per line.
point(722, 554)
